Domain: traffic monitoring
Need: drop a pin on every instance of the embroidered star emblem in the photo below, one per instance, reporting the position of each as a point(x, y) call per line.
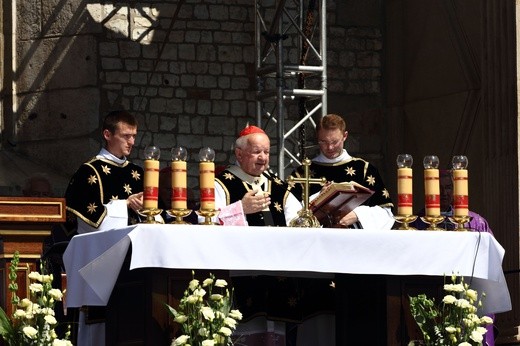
point(92, 179)
point(385, 193)
point(114, 198)
point(371, 180)
point(350, 171)
point(278, 181)
point(91, 208)
point(292, 302)
point(128, 189)
point(229, 176)
point(136, 175)
point(291, 184)
point(106, 169)
point(278, 207)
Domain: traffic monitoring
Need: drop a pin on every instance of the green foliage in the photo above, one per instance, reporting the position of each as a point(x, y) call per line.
point(455, 321)
point(33, 321)
point(205, 314)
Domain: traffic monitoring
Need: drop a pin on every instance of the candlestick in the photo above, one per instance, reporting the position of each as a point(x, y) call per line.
point(151, 177)
point(207, 179)
point(431, 186)
point(460, 186)
point(179, 196)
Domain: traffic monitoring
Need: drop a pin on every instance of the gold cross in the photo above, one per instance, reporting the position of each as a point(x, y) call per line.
point(306, 180)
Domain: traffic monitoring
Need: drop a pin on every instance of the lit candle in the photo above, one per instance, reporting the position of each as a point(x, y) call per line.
point(179, 196)
point(151, 177)
point(460, 186)
point(207, 179)
point(404, 184)
point(432, 198)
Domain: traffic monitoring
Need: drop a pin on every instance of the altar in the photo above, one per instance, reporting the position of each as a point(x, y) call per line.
point(94, 261)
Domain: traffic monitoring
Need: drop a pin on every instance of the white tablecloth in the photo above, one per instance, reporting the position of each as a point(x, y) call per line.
point(93, 260)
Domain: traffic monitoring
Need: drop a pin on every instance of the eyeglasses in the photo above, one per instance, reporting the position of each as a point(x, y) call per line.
point(329, 143)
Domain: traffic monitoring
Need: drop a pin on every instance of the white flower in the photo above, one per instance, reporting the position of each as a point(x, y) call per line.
point(55, 294)
point(464, 344)
point(19, 313)
point(180, 318)
point(208, 313)
point(203, 332)
point(30, 332)
point(220, 283)
point(449, 299)
point(193, 284)
point(454, 287)
point(35, 276)
point(230, 322)
point(199, 292)
point(181, 340)
point(216, 296)
point(35, 287)
point(46, 278)
point(472, 295)
point(236, 314)
point(476, 336)
point(208, 342)
point(192, 299)
point(225, 331)
point(59, 342)
point(50, 319)
point(463, 303)
point(24, 303)
point(486, 320)
point(207, 282)
point(451, 329)
point(481, 330)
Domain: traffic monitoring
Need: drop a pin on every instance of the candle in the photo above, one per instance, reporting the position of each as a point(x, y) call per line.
point(404, 191)
point(179, 197)
point(460, 185)
point(207, 178)
point(432, 194)
point(151, 177)
point(404, 184)
point(207, 185)
point(151, 184)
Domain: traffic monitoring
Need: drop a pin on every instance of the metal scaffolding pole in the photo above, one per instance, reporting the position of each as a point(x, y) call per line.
point(291, 72)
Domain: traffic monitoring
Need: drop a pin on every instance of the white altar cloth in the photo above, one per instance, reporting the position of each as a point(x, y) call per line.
point(93, 260)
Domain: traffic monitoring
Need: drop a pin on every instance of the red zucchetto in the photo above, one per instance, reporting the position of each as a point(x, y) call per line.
point(250, 129)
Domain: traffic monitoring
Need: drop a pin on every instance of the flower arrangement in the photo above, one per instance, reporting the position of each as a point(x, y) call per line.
point(455, 321)
point(205, 314)
point(33, 321)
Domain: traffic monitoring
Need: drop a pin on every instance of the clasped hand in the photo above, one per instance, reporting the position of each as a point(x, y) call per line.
point(253, 202)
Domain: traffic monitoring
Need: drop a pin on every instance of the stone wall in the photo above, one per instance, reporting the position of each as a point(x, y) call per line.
point(185, 68)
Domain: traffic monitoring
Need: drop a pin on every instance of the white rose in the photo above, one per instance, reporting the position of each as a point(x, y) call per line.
point(55, 294)
point(476, 336)
point(221, 283)
point(207, 282)
point(208, 342)
point(50, 319)
point(464, 344)
point(30, 332)
point(200, 292)
point(193, 284)
point(35, 287)
point(19, 313)
point(216, 297)
point(449, 299)
point(230, 322)
point(25, 303)
point(486, 320)
point(35, 276)
point(208, 313)
point(225, 331)
point(181, 340)
point(451, 329)
point(236, 314)
point(472, 295)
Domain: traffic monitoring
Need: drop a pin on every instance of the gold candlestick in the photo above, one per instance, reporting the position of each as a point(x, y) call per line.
point(207, 214)
point(460, 221)
point(150, 214)
point(433, 221)
point(405, 220)
point(179, 214)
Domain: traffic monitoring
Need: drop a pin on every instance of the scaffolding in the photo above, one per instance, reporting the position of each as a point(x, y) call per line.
point(291, 72)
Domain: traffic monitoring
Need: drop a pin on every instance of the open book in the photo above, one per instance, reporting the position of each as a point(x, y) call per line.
point(337, 200)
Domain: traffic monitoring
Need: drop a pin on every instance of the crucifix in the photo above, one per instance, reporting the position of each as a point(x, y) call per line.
point(305, 217)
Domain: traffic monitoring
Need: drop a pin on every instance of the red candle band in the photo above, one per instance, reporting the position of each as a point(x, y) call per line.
point(405, 200)
point(207, 194)
point(151, 193)
point(460, 202)
point(179, 194)
point(433, 201)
